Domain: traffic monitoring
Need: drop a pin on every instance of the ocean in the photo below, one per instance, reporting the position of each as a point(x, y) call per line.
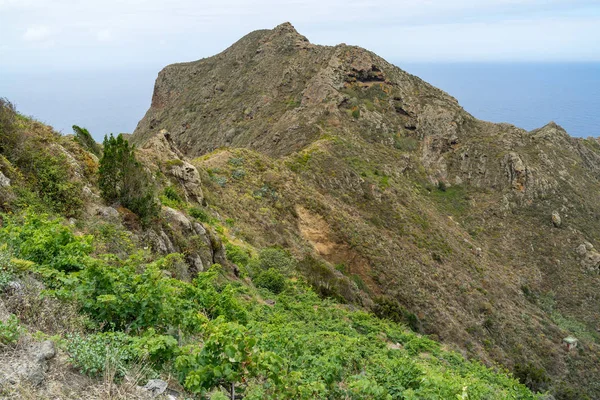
point(526, 95)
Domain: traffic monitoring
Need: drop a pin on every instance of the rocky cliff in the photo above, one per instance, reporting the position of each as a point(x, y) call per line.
point(485, 233)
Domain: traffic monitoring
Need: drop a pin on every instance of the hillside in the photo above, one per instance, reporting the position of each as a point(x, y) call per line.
point(118, 280)
point(388, 192)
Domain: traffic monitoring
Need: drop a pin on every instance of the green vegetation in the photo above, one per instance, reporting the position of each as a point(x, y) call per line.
point(217, 334)
point(122, 179)
point(85, 139)
point(10, 331)
point(171, 198)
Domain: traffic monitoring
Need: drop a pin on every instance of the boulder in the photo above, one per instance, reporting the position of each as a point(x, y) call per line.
point(4, 181)
point(29, 365)
point(556, 220)
point(155, 387)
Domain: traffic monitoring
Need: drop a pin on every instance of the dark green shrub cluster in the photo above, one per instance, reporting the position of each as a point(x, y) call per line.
point(171, 198)
point(388, 308)
point(122, 179)
point(532, 376)
point(237, 255)
point(199, 214)
point(273, 257)
point(326, 281)
point(270, 279)
point(85, 139)
point(8, 131)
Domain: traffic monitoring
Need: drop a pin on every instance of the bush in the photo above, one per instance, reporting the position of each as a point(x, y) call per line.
point(237, 255)
point(8, 133)
point(50, 178)
point(273, 257)
point(270, 279)
point(10, 331)
point(92, 355)
point(199, 214)
point(155, 348)
point(85, 139)
point(227, 357)
point(171, 198)
point(535, 378)
point(387, 308)
point(122, 179)
point(45, 241)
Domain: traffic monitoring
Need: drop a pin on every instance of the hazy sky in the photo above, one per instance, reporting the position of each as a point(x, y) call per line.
point(66, 34)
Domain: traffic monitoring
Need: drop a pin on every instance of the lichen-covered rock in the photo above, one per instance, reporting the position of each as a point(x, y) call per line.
point(4, 181)
point(516, 171)
point(28, 365)
point(556, 220)
point(163, 153)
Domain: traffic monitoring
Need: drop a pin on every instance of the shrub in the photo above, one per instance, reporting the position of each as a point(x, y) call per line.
point(84, 138)
point(227, 357)
point(45, 241)
point(122, 179)
point(270, 279)
point(237, 255)
point(172, 194)
point(387, 308)
point(155, 348)
point(238, 173)
point(199, 214)
point(50, 178)
point(171, 198)
point(93, 354)
point(9, 136)
point(535, 378)
point(276, 258)
point(10, 331)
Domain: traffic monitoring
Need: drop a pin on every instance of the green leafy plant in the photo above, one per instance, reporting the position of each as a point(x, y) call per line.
point(10, 331)
point(45, 241)
point(93, 354)
point(228, 356)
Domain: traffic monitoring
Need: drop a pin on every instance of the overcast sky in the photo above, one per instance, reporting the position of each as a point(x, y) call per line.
point(66, 34)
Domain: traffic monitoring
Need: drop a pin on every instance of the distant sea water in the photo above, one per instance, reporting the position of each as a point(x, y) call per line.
point(526, 95)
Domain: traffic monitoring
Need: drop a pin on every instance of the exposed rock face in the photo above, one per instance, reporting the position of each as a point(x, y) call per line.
point(161, 151)
point(358, 163)
point(207, 251)
point(590, 258)
point(30, 365)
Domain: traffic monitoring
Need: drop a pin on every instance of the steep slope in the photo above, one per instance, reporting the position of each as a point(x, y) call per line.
point(97, 302)
point(485, 232)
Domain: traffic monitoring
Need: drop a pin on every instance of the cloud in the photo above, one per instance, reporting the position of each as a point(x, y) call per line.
point(423, 29)
point(37, 33)
point(104, 35)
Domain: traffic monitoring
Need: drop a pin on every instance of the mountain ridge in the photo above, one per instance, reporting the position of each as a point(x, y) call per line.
point(450, 216)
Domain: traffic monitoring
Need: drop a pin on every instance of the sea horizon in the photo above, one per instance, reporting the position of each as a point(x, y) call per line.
point(525, 94)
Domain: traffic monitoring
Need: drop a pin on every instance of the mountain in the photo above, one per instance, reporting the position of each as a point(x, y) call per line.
point(392, 195)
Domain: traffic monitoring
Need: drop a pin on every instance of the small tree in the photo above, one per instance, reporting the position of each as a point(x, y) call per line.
point(122, 179)
point(8, 134)
point(85, 139)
